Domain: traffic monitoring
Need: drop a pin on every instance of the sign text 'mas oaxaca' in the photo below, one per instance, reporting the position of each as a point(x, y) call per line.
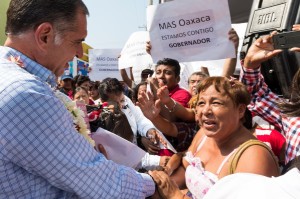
point(104, 63)
point(190, 30)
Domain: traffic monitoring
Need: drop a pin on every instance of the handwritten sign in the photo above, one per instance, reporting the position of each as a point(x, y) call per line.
point(190, 30)
point(104, 63)
point(134, 52)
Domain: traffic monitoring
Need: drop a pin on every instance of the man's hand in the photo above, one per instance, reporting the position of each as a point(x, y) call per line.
point(296, 27)
point(167, 188)
point(101, 149)
point(149, 107)
point(163, 95)
point(261, 50)
point(150, 146)
point(233, 36)
point(148, 47)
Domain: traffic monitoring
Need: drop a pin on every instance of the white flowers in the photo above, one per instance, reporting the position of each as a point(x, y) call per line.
point(77, 115)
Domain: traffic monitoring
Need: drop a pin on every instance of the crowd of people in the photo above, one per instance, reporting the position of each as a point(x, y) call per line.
point(218, 145)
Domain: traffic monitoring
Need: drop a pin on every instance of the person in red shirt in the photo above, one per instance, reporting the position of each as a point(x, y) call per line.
point(282, 113)
point(167, 74)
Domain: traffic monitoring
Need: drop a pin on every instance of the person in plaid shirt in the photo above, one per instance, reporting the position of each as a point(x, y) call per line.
point(266, 104)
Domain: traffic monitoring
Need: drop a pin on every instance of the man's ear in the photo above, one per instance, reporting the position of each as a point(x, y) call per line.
point(44, 35)
point(178, 79)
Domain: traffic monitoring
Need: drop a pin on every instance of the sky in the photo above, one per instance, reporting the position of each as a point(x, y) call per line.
point(112, 22)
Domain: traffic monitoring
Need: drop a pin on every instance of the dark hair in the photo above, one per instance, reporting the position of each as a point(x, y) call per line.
point(80, 79)
point(23, 15)
point(291, 108)
point(198, 73)
point(170, 62)
point(234, 89)
point(78, 89)
point(110, 86)
point(147, 71)
point(248, 119)
point(94, 85)
point(136, 91)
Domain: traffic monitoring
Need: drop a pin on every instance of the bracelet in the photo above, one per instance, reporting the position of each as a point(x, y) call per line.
point(173, 108)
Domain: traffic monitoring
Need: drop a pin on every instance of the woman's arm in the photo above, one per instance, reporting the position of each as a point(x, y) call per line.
point(230, 63)
point(262, 163)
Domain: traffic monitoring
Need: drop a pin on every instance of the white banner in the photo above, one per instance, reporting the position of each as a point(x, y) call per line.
point(134, 52)
point(190, 30)
point(104, 63)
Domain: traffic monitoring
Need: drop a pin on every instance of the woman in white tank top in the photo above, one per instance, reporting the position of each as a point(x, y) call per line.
point(220, 111)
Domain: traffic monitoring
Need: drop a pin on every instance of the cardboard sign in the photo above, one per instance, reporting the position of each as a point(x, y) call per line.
point(104, 63)
point(190, 30)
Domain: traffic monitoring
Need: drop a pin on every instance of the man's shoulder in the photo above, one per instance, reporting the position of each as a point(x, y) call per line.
point(181, 91)
point(13, 78)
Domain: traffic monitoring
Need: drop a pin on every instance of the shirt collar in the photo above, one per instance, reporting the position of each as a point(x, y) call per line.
point(174, 90)
point(29, 65)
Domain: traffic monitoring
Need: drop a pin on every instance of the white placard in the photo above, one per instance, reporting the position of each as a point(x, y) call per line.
point(134, 52)
point(190, 30)
point(104, 63)
point(118, 149)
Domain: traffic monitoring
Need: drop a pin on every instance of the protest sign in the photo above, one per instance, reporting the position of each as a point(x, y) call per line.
point(104, 63)
point(134, 54)
point(185, 73)
point(190, 30)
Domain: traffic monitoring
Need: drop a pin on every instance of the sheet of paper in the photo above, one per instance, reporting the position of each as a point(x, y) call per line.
point(104, 63)
point(169, 145)
point(134, 52)
point(118, 149)
point(190, 30)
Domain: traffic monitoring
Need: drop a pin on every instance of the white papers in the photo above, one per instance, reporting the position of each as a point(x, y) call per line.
point(118, 149)
point(190, 30)
point(104, 63)
point(169, 145)
point(134, 52)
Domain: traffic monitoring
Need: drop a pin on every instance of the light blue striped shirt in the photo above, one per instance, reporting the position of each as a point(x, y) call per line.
point(41, 154)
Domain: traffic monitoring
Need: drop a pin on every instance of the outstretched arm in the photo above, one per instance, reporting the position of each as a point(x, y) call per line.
point(186, 114)
point(261, 50)
point(151, 110)
point(125, 77)
point(230, 63)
